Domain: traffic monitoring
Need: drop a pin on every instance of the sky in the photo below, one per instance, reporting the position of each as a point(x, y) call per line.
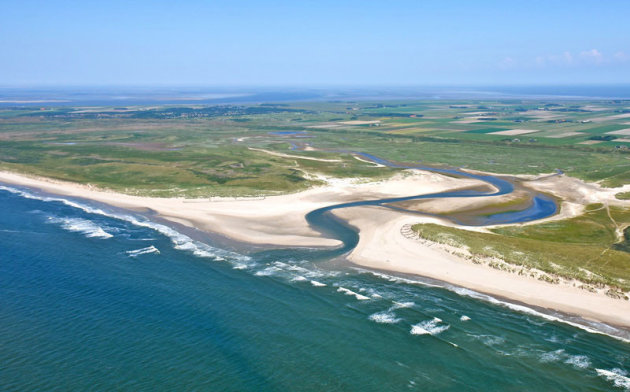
point(313, 43)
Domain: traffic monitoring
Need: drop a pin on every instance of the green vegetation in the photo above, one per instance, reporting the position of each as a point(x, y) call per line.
point(623, 195)
point(204, 150)
point(585, 247)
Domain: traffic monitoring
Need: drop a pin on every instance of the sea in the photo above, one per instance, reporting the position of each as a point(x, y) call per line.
point(94, 298)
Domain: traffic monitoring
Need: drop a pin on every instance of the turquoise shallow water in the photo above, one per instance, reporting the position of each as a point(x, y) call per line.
point(100, 299)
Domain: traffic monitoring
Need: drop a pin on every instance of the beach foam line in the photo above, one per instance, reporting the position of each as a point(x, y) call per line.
point(601, 329)
point(527, 310)
point(179, 240)
point(143, 251)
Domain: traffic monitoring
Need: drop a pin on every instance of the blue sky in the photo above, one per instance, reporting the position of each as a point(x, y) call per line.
point(313, 43)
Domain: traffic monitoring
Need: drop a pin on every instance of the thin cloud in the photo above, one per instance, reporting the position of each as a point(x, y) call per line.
point(566, 59)
point(621, 56)
point(592, 56)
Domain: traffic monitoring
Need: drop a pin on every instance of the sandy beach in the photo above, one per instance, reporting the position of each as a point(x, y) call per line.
point(382, 246)
point(280, 221)
point(273, 220)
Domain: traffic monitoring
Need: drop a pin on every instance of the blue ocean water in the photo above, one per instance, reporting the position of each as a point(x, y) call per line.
point(93, 298)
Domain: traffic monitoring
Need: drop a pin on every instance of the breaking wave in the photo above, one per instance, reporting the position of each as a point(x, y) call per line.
point(430, 327)
point(83, 226)
point(180, 241)
point(617, 376)
point(143, 251)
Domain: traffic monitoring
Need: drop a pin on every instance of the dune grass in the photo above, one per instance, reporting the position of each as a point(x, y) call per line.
point(586, 247)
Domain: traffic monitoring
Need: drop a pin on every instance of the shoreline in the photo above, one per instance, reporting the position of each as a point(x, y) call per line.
point(383, 247)
point(280, 221)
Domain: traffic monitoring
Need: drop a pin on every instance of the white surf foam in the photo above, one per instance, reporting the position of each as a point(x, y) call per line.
point(395, 279)
point(429, 327)
point(269, 271)
point(614, 332)
point(83, 226)
point(618, 377)
point(578, 361)
point(402, 305)
point(179, 240)
point(143, 251)
point(524, 309)
point(551, 356)
point(491, 340)
point(384, 318)
point(317, 284)
point(464, 318)
point(350, 292)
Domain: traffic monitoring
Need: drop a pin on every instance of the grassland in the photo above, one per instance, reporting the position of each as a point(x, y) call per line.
point(586, 247)
point(205, 150)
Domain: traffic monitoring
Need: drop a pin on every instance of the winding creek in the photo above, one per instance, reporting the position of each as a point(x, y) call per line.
point(326, 223)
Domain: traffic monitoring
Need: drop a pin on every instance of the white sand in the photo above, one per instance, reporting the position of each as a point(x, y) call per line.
point(514, 132)
point(274, 220)
point(360, 122)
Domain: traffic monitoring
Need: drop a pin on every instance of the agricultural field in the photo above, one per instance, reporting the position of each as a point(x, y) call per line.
point(236, 150)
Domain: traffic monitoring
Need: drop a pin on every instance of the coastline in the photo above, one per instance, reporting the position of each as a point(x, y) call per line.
point(383, 247)
point(280, 221)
